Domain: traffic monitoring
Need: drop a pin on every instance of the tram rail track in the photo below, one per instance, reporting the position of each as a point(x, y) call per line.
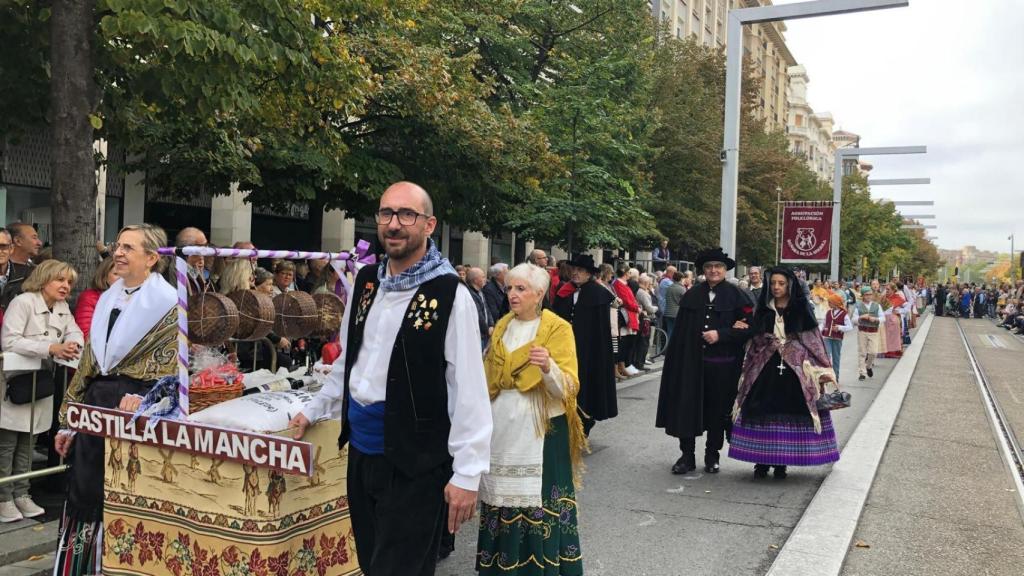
point(1009, 445)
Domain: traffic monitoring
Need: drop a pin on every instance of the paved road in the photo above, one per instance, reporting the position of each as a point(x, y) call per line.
point(943, 502)
point(637, 519)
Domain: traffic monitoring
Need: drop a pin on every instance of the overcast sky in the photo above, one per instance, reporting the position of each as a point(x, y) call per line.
point(948, 74)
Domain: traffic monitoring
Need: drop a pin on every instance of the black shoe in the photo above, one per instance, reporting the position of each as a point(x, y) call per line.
point(780, 473)
point(871, 373)
point(711, 463)
point(862, 377)
point(761, 470)
point(686, 463)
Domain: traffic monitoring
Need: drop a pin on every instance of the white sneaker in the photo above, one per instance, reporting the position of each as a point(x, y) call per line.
point(632, 371)
point(9, 512)
point(28, 508)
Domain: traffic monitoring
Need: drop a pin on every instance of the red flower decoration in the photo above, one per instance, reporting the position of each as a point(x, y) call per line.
point(748, 309)
point(257, 563)
point(278, 566)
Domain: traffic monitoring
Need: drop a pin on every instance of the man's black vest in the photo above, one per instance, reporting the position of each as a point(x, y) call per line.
point(416, 422)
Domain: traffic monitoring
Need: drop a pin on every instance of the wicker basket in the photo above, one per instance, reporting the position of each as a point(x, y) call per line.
point(255, 314)
point(212, 318)
point(329, 311)
point(204, 398)
point(213, 386)
point(294, 314)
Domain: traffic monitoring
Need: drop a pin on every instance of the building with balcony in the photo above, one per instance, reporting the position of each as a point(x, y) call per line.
point(810, 133)
point(764, 47)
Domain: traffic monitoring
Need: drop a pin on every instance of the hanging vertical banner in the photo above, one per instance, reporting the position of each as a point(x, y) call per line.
point(806, 232)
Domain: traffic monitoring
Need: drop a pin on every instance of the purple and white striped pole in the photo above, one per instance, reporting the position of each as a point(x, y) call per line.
point(181, 269)
point(348, 263)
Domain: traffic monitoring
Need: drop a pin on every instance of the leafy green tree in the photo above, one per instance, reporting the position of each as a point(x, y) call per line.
point(686, 200)
point(580, 73)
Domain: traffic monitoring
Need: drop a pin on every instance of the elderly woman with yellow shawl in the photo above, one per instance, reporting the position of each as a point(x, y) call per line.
point(528, 523)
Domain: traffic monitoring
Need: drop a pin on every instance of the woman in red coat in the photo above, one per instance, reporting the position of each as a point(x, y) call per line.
point(628, 329)
point(101, 280)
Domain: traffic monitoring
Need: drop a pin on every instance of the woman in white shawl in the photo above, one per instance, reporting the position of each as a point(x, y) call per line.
point(132, 343)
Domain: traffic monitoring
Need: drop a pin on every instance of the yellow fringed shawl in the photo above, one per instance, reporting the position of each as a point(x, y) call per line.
point(507, 370)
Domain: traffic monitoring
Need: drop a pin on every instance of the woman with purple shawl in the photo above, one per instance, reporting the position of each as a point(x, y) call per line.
point(776, 422)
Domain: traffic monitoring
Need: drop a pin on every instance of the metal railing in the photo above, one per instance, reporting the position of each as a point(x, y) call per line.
point(57, 398)
point(648, 265)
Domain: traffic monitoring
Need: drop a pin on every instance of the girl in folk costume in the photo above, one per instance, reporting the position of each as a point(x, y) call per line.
point(837, 322)
point(528, 514)
point(776, 421)
point(896, 306)
point(132, 343)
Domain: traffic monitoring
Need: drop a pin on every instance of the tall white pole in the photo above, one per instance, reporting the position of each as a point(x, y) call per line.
point(837, 213)
point(731, 138)
point(1013, 266)
point(737, 17)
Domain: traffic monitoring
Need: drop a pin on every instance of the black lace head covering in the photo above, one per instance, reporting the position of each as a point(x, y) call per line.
point(798, 314)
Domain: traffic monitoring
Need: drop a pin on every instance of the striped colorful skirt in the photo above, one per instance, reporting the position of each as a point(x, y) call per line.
point(79, 547)
point(784, 440)
point(541, 541)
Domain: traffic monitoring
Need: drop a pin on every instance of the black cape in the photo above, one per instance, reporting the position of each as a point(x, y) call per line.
point(590, 317)
point(681, 401)
point(940, 300)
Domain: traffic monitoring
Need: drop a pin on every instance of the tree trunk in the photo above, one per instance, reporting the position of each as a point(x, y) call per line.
point(72, 99)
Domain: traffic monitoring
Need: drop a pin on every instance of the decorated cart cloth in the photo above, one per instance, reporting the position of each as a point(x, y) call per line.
point(171, 512)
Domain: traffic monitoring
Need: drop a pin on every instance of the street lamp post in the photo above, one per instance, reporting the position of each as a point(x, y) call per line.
point(737, 18)
point(837, 188)
point(1013, 267)
point(778, 223)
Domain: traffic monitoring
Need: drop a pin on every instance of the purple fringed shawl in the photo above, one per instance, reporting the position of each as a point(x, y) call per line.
point(803, 346)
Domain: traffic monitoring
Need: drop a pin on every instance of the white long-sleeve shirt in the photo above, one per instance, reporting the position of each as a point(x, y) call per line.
point(846, 326)
point(469, 404)
point(881, 315)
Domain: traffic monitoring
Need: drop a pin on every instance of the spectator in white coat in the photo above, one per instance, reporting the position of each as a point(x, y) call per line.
point(38, 324)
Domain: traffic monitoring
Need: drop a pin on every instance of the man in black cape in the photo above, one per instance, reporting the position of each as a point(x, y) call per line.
point(703, 362)
point(940, 299)
point(588, 309)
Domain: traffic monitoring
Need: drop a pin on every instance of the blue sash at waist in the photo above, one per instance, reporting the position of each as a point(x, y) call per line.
point(367, 426)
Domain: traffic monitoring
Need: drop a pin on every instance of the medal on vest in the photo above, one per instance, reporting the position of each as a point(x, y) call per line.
point(364, 302)
point(424, 311)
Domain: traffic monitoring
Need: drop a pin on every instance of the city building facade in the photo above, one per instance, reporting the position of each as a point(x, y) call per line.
point(764, 47)
point(809, 133)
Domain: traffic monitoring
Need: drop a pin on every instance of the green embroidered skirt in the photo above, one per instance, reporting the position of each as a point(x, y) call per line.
point(541, 541)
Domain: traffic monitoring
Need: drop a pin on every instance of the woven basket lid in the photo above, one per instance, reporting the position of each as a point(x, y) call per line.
point(212, 318)
point(255, 314)
point(329, 311)
point(294, 314)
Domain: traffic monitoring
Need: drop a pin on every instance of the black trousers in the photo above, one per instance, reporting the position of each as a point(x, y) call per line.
point(640, 348)
point(720, 383)
point(397, 520)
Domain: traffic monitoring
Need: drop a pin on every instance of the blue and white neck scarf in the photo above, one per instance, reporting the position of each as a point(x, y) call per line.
point(431, 266)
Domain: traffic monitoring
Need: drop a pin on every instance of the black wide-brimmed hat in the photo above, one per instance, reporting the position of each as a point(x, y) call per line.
point(585, 261)
point(715, 255)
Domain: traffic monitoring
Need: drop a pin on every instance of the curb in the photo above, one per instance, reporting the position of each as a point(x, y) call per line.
point(40, 566)
point(32, 540)
point(820, 541)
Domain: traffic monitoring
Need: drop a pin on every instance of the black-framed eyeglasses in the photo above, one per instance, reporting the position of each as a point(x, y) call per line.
point(406, 216)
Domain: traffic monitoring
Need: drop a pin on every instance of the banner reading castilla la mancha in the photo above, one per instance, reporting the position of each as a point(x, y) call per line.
point(806, 232)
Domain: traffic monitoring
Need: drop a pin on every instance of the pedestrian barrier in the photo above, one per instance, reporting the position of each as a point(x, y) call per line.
point(649, 265)
point(58, 396)
point(659, 341)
